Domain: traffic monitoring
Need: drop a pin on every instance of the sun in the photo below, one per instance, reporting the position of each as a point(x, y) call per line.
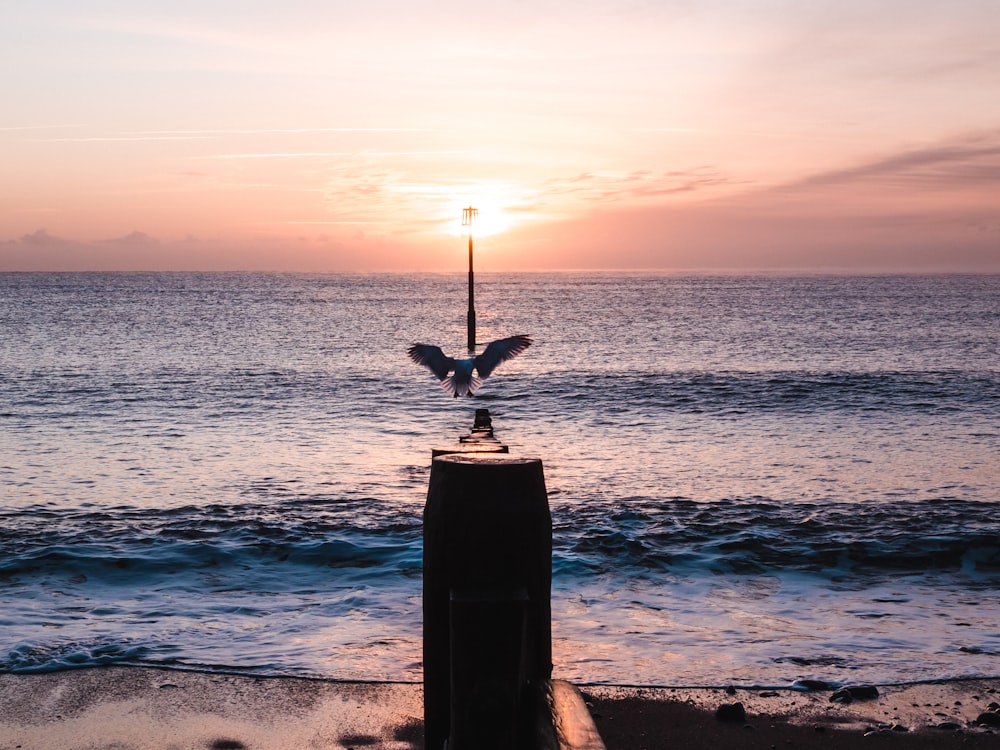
point(490, 219)
point(494, 214)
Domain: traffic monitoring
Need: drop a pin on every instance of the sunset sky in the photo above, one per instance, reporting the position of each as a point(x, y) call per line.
point(311, 135)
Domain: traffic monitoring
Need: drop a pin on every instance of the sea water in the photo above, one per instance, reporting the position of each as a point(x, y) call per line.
point(752, 479)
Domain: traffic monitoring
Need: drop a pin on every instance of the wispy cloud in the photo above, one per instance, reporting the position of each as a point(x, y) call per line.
point(292, 131)
point(116, 138)
point(201, 134)
point(330, 222)
point(14, 128)
point(206, 34)
point(326, 154)
point(132, 240)
point(728, 132)
point(598, 187)
point(672, 130)
point(970, 161)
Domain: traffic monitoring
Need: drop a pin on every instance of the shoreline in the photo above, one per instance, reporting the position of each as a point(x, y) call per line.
point(150, 707)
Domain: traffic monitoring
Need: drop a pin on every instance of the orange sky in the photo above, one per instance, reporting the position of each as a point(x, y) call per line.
point(336, 136)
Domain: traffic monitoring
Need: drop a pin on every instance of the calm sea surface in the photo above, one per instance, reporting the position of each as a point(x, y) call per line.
point(752, 480)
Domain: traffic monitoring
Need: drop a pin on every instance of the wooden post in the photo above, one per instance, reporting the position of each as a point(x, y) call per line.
point(480, 440)
point(486, 599)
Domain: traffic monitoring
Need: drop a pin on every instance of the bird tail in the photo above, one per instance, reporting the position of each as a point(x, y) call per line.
point(461, 386)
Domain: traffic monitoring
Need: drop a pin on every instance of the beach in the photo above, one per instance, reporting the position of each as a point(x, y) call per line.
point(142, 708)
point(725, 276)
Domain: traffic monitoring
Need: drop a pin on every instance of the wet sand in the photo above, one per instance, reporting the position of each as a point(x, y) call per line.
point(935, 715)
point(142, 708)
point(138, 708)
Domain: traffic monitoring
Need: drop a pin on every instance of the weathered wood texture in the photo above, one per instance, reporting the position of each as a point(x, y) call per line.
point(487, 587)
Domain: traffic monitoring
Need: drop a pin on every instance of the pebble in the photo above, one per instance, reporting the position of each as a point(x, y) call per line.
point(731, 712)
point(860, 693)
point(950, 726)
point(989, 719)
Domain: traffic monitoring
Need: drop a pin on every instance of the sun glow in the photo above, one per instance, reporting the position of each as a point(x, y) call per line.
point(496, 210)
point(492, 218)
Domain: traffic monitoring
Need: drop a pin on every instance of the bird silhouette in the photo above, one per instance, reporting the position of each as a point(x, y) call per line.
point(462, 382)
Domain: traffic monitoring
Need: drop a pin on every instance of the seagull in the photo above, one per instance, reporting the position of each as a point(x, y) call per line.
point(463, 382)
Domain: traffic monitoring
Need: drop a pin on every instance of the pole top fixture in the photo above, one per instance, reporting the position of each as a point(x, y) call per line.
point(469, 216)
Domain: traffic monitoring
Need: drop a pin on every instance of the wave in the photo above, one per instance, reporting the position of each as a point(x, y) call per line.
point(644, 537)
point(54, 657)
point(129, 544)
point(792, 392)
point(291, 541)
point(193, 398)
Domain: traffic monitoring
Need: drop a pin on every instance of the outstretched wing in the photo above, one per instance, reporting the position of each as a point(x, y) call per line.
point(432, 358)
point(500, 351)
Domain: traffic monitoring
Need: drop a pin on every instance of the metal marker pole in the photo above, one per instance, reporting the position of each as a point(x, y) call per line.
point(468, 219)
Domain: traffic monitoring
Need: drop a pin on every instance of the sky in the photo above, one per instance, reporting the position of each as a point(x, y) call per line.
point(674, 135)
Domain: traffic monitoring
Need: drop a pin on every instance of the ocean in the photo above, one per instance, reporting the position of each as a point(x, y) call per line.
point(753, 479)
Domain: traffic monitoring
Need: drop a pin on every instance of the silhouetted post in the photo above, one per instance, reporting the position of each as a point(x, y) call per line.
point(468, 219)
point(480, 440)
point(487, 614)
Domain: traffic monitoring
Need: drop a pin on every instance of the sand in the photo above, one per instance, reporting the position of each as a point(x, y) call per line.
point(935, 715)
point(119, 708)
point(140, 708)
